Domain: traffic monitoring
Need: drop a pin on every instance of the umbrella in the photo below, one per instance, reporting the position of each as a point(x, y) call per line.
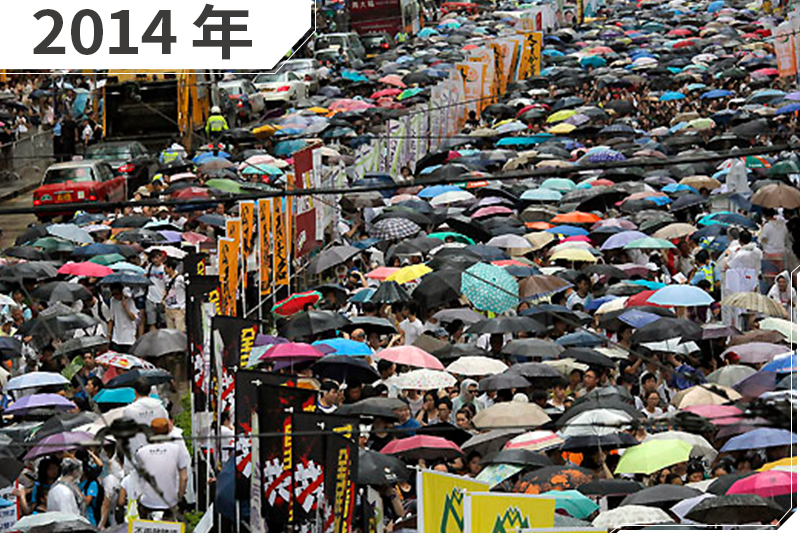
point(311, 323)
point(653, 455)
point(572, 502)
point(377, 406)
point(490, 288)
point(394, 229)
point(704, 394)
point(151, 376)
point(755, 352)
point(476, 365)
point(490, 441)
point(729, 375)
point(610, 487)
point(61, 291)
point(782, 365)
point(736, 509)
point(666, 328)
point(681, 296)
point(35, 380)
point(534, 348)
point(345, 369)
point(554, 478)
point(519, 457)
point(510, 414)
point(296, 303)
point(515, 324)
point(123, 361)
point(539, 440)
point(426, 447)
point(379, 469)
point(88, 269)
point(755, 302)
point(70, 232)
point(760, 438)
point(423, 380)
point(768, 484)
point(55, 522)
point(160, 342)
point(662, 496)
point(60, 442)
point(331, 257)
point(345, 347)
point(409, 273)
point(33, 402)
point(125, 278)
point(700, 446)
point(410, 356)
point(631, 515)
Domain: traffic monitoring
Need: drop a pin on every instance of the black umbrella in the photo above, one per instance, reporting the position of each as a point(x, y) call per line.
point(723, 483)
point(420, 219)
point(687, 201)
point(331, 257)
point(143, 236)
point(54, 322)
point(446, 430)
point(503, 381)
point(491, 441)
point(588, 356)
point(610, 487)
point(390, 292)
point(35, 270)
point(612, 441)
point(160, 342)
point(612, 322)
point(438, 288)
point(31, 234)
point(454, 258)
point(10, 347)
point(10, 469)
point(370, 324)
point(152, 377)
point(62, 422)
point(751, 129)
point(375, 468)
point(345, 369)
point(417, 245)
point(546, 313)
point(311, 323)
point(454, 351)
point(535, 348)
point(132, 221)
point(378, 406)
point(610, 392)
point(662, 496)
point(61, 291)
point(736, 509)
point(25, 252)
point(667, 328)
point(507, 324)
point(81, 345)
point(540, 375)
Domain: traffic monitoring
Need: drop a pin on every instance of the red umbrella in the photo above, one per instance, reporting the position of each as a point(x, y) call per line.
point(423, 447)
point(718, 414)
point(766, 72)
point(191, 192)
point(410, 356)
point(88, 269)
point(296, 303)
point(602, 183)
point(766, 484)
point(684, 43)
point(641, 299)
point(194, 238)
point(393, 80)
point(381, 273)
point(680, 32)
point(385, 93)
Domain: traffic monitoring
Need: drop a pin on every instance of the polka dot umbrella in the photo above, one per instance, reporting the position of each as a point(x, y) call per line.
point(490, 288)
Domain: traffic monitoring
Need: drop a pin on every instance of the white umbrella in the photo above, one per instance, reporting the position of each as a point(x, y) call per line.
point(539, 440)
point(43, 520)
point(171, 251)
point(682, 508)
point(596, 422)
point(476, 365)
point(566, 365)
point(452, 197)
point(701, 485)
point(631, 515)
point(424, 379)
point(672, 346)
point(511, 414)
point(510, 240)
point(6, 300)
point(700, 446)
point(730, 375)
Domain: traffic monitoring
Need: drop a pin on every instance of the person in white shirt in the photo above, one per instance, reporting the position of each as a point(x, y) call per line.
point(783, 293)
point(65, 496)
point(175, 297)
point(411, 325)
point(122, 326)
point(166, 464)
point(774, 240)
point(154, 308)
point(143, 411)
point(742, 270)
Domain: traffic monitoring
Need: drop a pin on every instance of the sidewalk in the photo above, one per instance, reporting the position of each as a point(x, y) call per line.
point(12, 190)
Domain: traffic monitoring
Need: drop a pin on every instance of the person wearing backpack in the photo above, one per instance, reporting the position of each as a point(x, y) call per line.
point(65, 496)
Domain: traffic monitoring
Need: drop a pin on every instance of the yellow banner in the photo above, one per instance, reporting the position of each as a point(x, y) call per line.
point(234, 231)
point(247, 214)
point(497, 512)
point(531, 61)
point(227, 251)
point(440, 501)
point(280, 241)
point(265, 247)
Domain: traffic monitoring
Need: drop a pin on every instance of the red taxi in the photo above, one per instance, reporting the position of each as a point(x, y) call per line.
point(79, 182)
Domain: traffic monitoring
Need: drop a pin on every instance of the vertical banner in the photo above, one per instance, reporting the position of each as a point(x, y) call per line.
point(340, 481)
point(472, 78)
point(238, 339)
point(308, 451)
point(531, 61)
point(497, 512)
point(256, 489)
point(247, 214)
point(228, 270)
point(265, 245)
point(199, 291)
point(440, 501)
point(304, 233)
point(280, 237)
point(485, 56)
point(785, 44)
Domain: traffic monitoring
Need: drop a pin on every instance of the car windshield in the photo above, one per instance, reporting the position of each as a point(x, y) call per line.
point(270, 78)
point(373, 40)
point(232, 89)
point(63, 175)
point(297, 66)
point(109, 152)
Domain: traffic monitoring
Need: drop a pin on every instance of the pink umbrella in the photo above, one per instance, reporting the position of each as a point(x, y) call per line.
point(766, 72)
point(577, 238)
point(766, 484)
point(615, 223)
point(194, 238)
point(393, 80)
point(293, 350)
point(719, 415)
point(410, 356)
point(381, 273)
point(492, 211)
point(88, 269)
point(385, 93)
point(755, 352)
point(423, 447)
point(348, 104)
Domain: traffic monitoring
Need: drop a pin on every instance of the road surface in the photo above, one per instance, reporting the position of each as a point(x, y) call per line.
point(13, 225)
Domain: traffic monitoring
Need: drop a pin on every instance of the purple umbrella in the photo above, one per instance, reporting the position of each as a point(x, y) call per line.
point(171, 236)
point(756, 352)
point(794, 96)
point(268, 340)
point(60, 442)
point(618, 240)
point(757, 384)
point(27, 404)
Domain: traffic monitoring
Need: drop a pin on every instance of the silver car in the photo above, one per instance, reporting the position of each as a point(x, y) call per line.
point(307, 69)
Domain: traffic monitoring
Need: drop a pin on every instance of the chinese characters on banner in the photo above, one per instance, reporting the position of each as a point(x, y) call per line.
point(228, 257)
point(531, 61)
point(280, 265)
point(786, 45)
point(472, 74)
point(305, 226)
point(265, 247)
point(247, 215)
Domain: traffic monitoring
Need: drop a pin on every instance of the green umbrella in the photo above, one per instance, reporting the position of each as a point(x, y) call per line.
point(408, 93)
point(649, 243)
point(443, 235)
point(107, 259)
point(573, 502)
point(54, 244)
point(653, 455)
point(782, 168)
point(490, 288)
point(225, 185)
point(562, 185)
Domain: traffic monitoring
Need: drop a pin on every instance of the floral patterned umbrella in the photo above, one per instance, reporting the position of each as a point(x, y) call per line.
point(554, 478)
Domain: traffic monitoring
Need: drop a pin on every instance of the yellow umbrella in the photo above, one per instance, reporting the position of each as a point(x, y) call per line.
point(559, 116)
point(701, 182)
point(574, 254)
point(786, 461)
point(318, 110)
point(266, 129)
point(410, 273)
point(540, 239)
point(562, 128)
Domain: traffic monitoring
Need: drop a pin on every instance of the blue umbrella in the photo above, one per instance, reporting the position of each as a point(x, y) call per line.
point(490, 288)
point(34, 380)
point(782, 365)
point(572, 502)
point(541, 195)
point(519, 271)
point(123, 395)
point(208, 157)
point(669, 96)
point(650, 285)
point(427, 32)
point(593, 61)
point(716, 93)
point(715, 6)
point(637, 319)
point(569, 231)
point(729, 219)
point(582, 339)
point(287, 148)
point(352, 75)
point(681, 296)
point(760, 438)
point(96, 249)
point(788, 109)
point(362, 296)
point(346, 347)
point(619, 240)
point(436, 190)
point(125, 278)
point(677, 187)
point(487, 253)
point(595, 304)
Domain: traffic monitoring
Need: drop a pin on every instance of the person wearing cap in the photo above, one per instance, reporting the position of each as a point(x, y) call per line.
point(166, 464)
point(216, 124)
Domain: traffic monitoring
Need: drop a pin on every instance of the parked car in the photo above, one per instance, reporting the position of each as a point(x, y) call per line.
point(307, 69)
point(249, 101)
point(377, 43)
point(349, 43)
point(79, 182)
point(129, 159)
point(282, 87)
